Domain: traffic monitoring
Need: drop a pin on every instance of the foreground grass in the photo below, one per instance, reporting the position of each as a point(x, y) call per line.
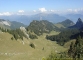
point(53, 56)
point(20, 50)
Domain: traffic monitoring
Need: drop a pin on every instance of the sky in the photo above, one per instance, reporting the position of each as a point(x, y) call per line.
point(27, 7)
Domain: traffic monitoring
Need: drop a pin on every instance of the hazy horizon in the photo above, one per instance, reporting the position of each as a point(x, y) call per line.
point(30, 7)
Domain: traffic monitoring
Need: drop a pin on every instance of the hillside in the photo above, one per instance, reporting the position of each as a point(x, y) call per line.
point(10, 24)
point(64, 24)
point(15, 25)
point(40, 27)
point(21, 49)
point(63, 36)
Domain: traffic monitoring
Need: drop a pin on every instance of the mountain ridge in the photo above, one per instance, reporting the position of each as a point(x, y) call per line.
point(66, 23)
point(43, 26)
point(10, 24)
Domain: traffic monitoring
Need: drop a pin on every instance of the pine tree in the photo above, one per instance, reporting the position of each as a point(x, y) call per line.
point(76, 50)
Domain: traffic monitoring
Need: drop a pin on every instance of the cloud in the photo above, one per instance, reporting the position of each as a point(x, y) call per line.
point(74, 10)
point(21, 11)
point(34, 10)
point(5, 13)
point(70, 10)
point(81, 9)
point(42, 10)
point(52, 10)
point(20, 14)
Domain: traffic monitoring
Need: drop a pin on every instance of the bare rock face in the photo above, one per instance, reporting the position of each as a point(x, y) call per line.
point(4, 22)
point(24, 31)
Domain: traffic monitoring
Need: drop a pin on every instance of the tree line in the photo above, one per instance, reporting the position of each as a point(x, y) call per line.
point(18, 34)
point(64, 36)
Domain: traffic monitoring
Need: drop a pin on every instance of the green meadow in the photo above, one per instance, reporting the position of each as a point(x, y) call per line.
point(21, 49)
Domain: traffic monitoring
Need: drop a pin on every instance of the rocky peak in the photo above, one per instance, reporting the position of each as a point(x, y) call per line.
point(79, 21)
point(79, 24)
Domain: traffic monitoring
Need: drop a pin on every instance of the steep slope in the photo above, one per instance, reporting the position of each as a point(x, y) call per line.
point(40, 27)
point(65, 23)
point(78, 25)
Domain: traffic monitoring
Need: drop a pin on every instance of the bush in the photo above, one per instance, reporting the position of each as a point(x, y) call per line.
point(33, 36)
point(12, 38)
point(32, 45)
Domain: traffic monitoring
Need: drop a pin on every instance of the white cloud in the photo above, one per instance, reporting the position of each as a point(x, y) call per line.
point(1, 14)
point(20, 14)
point(74, 10)
point(42, 10)
point(70, 10)
point(5, 13)
point(81, 9)
point(21, 11)
point(52, 10)
point(34, 10)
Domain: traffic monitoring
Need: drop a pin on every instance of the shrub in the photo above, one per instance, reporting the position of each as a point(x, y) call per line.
point(12, 38)
point(32, 45)
point(33, 36)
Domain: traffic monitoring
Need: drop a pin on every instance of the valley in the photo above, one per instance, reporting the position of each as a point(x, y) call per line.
point(41, 29)
point(41, 40)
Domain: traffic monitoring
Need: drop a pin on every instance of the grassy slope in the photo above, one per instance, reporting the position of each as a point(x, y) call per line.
point(67, 45)
point(15, 50)
point(59, 25)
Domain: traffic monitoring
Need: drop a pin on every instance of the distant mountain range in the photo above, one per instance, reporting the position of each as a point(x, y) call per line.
point(54, 18)
point(10, 24)
point(50, 17)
